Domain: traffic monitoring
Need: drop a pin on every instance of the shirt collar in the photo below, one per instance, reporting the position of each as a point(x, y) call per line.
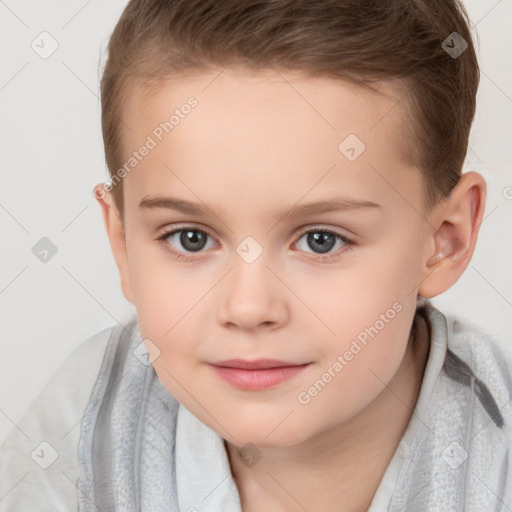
point(203, 474)
point(438, 338)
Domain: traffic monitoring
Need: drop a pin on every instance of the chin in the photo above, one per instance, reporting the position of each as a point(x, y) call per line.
point(258, 435)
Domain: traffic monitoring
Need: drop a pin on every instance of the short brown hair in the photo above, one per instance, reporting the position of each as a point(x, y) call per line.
point(363, 42)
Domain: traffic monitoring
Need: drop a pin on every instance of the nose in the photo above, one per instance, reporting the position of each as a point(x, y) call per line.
point(252, 296)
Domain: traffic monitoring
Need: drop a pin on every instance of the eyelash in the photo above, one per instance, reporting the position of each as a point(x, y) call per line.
point(315, 229)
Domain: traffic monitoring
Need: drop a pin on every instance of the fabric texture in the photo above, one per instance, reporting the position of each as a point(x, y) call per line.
point(141, 450)
point(125, 444)
point(39, 466)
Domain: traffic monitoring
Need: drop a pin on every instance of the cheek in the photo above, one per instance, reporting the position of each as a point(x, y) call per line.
point(177, 363)
point(358, 367)
point(390, 270)
point(347, 305)
point(169, 316)
point(369, 311)
point(167, 304)
point(164, 292)
point(355, 297)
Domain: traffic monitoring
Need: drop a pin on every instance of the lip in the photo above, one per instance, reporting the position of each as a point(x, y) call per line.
point(256, 375)
point(257, 364)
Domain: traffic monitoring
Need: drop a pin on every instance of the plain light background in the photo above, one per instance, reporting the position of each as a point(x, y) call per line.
point(52, 156)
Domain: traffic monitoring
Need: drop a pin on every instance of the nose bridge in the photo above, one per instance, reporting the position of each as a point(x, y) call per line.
point(250, 268)
point(251, 295)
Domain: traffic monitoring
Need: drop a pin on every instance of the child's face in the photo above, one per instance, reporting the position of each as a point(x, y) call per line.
point(254, 147)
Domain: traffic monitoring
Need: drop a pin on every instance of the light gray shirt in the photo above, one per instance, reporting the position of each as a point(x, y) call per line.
point(454, 455)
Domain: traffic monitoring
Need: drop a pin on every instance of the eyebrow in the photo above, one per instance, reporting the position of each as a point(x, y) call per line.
point(318, 207)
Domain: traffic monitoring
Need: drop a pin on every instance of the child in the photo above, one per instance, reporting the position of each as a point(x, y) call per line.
point(312, 151)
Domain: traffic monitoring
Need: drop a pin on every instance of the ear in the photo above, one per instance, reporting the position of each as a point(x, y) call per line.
point(116, 235)
point(456, 222)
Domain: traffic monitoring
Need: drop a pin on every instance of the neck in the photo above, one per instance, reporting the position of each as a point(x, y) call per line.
point(344, 464)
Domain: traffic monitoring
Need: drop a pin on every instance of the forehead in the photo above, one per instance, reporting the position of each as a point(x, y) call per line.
point(248, 130)
point(242, 94)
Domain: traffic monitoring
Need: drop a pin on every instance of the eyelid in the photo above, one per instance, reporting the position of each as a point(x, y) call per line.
point(166, 233)
point(182, 227)
point(319, 227)
point(301, 230)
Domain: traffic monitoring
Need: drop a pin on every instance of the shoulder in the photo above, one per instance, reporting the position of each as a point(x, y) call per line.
point(484, 367)
point(39, 461)
point(489, 360)
point(488, 364)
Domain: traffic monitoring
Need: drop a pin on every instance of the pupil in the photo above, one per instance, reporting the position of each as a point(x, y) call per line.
point(323, 241)
point(192, 240)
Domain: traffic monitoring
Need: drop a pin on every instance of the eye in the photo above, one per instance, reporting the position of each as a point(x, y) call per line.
point(321, 241)
point(193, 239)
point(190, 238)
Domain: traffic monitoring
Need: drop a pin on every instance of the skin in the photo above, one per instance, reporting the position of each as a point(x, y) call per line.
point(257, 144)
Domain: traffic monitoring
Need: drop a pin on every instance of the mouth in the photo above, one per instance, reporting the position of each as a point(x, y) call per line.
point(256, 375)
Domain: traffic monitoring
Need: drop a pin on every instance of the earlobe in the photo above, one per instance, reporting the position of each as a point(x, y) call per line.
point(457, 220)
point(117, 237)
